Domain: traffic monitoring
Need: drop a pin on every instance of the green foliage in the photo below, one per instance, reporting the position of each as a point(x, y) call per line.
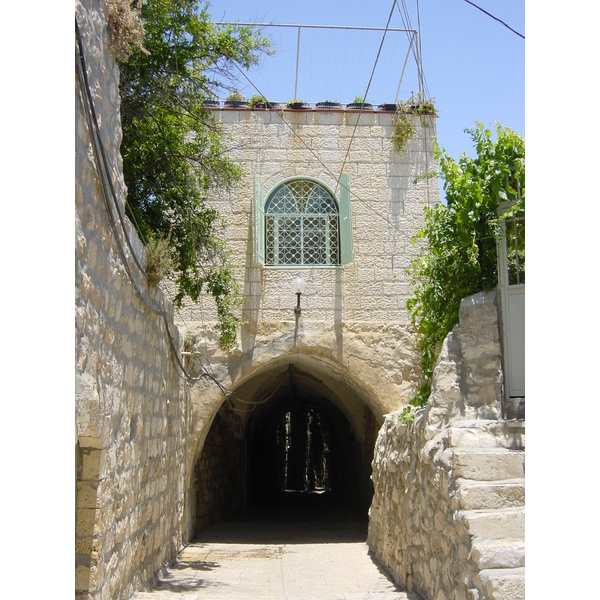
point(258, 100)
point(403, 127)
point(407, 415)
point(418, 106)
point(235, 96)
point(173, 151)
point(358, 100)
point(459, 240)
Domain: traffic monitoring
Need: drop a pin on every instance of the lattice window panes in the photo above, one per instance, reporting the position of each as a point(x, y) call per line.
point(302, 225)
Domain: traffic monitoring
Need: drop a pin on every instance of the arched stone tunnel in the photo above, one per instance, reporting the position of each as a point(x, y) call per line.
point(294, 429)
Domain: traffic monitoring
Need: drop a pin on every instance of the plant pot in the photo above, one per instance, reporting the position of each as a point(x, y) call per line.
point(236, 103)
point(297, 105)
point(328, 104)
point(211, 104)
point(266, 105)
point(387, 107)
point(359, 105)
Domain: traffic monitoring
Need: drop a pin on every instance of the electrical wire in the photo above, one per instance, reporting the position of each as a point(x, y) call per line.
point(99, 151)
point(108, 194)
point(495, 18)
point(416, 49)
point(365, 94)
point(279, 112)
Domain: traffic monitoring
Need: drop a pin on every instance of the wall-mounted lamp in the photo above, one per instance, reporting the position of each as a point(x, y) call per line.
point(298, 287)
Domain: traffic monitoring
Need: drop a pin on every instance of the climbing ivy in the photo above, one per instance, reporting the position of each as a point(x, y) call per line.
point(458, 241)
point(174, 156)
point(403, 126)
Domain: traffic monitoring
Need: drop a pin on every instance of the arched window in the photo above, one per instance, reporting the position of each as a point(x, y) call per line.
point(302, 223)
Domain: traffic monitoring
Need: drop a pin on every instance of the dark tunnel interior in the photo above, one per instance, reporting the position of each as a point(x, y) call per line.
point(295, 449)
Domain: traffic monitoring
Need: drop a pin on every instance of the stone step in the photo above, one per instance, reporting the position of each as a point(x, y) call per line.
point(494, 524)
point(488, 464)
point(514, 435)
point(472, 436)
point(502, 553)
point(502, 584)
point(473, 495)
point(488, 433)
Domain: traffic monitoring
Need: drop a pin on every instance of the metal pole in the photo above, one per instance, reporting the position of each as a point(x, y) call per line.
point(297, 60)
point(404, 67)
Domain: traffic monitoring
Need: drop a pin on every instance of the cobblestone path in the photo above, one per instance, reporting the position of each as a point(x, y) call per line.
point(285, 554)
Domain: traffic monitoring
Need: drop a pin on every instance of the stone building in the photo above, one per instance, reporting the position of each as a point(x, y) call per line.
point(324, 198)
point(167, 441)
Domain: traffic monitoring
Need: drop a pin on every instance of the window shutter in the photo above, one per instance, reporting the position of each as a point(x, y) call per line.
point(259, 223)
point(346, 241)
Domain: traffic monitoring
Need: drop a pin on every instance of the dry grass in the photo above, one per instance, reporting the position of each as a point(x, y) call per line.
point(159, 262)
point(126, 27)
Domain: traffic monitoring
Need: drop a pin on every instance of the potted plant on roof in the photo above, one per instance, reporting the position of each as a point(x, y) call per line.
point(211, 103)
point(328, 104)
point(359, 103)
point(260, 102)
point(418, 106)
point(388, 107)
point(296, 104)
point(236, 100)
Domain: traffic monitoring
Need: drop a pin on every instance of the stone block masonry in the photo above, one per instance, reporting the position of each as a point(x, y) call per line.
point(447, 517)
point(354, 315)
point(131, 406)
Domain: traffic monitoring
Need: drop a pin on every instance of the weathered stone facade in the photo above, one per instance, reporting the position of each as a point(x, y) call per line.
point(356, 314)
point(353, 335)
point(354, 327)
point(157, 459)
point(131, 407)
point(447, 517)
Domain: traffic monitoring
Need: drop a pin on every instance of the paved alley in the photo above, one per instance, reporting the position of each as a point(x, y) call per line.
point(284, 553)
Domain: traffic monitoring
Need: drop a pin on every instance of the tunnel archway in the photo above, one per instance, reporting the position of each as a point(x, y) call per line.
point(292, 430)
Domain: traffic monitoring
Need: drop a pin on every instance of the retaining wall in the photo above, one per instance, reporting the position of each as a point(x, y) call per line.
point(131, 407)
point(414, 527)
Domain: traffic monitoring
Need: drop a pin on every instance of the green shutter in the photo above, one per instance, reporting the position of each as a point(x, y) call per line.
point(259, 223)
point(346, 242)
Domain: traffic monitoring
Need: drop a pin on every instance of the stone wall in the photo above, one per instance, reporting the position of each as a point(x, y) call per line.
point(417, 529)
point(353, 317)
point(218, 481)
point(131, 407)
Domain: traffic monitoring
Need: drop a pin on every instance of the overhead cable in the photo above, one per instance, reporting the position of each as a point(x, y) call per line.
point(108, 194)
point(366, 93)
point(317, 157)
point(495, 18)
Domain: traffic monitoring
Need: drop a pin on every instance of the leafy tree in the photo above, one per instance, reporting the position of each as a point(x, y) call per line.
point(173, 151)
point(459, 252)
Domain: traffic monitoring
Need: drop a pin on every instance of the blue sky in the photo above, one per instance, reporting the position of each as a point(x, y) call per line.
point(473, 66)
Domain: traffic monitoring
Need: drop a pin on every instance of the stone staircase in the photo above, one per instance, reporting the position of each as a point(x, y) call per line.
point(489, 472)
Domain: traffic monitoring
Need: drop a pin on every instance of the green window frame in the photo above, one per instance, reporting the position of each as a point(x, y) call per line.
point(302, 223)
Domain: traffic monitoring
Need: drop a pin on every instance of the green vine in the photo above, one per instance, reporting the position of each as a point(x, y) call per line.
point(403, 126)
point(174, 153)
point(459, 238)
point(403, 130)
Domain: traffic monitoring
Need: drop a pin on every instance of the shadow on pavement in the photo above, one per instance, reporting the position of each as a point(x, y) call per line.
point(298, 518)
